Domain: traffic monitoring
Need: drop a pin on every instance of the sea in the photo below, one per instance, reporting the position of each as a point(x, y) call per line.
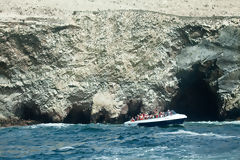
point(192, 140)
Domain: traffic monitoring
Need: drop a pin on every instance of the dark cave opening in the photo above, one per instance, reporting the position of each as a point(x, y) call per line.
point(102, 117)
point(31, 111)
point(196, 98)
point(133, 108)
point(78, 114)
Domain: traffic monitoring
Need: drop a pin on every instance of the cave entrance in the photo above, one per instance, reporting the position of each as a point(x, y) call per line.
point(196, 98)
point(31, 111)
point(101, 117)
point(132, 108)
point(78, 114)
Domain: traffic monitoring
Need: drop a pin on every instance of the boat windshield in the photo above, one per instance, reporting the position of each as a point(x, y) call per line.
point(173, 112)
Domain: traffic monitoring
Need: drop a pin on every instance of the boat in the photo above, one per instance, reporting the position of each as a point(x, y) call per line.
point(171, 118)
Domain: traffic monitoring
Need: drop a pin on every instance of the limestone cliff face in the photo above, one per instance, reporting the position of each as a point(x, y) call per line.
point(106, 66)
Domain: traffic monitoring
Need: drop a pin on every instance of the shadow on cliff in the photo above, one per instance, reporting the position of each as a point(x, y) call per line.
point(196, 97)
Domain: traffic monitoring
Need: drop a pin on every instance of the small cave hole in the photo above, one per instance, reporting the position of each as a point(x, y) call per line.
point(78, 114)
point(31, 111)
point(133, 108)
point(101, 117)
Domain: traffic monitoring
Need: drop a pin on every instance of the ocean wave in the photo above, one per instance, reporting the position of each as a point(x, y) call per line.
point(215, 122)
point(66, 148)
point(56, 125)
point(105, 157)
point(190, 133)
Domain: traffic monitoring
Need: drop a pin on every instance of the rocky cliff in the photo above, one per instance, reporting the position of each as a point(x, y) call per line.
point(106, 66)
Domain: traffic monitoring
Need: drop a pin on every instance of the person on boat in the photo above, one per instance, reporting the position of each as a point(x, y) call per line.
point(163, 114)
point(156, 113)
point(136, 118)
point(146, 116)
point(132, 120)
point(140, 116)
point(160, 114)
point(169, 113)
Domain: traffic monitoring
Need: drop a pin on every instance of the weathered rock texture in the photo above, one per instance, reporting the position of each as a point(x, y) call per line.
point(106, 66)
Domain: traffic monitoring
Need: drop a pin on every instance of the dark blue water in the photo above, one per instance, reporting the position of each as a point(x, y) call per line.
point(195, 140)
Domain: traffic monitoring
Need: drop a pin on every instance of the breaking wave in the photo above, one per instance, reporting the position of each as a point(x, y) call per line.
point(66, 148)
point(56, 125)
point(190, 133)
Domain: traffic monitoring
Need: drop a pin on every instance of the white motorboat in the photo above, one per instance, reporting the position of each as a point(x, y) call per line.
point(170, 119)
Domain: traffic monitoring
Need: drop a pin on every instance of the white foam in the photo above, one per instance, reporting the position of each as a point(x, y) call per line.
point(57, 125)
point(162, 148)
point(215, 122)
point(190, 133)
point(106, 158)
point(66, 148)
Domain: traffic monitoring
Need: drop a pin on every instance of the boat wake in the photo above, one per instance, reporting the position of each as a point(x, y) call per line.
point(190, 133)
point(215, 122)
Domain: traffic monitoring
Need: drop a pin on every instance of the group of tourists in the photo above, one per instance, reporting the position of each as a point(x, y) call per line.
point(143, 116)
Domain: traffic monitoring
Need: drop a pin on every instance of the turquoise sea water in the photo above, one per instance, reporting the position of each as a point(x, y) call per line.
point(194, 140)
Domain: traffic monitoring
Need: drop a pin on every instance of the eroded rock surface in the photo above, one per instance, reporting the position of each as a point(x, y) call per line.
point(217, 60)
point(106, 66)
